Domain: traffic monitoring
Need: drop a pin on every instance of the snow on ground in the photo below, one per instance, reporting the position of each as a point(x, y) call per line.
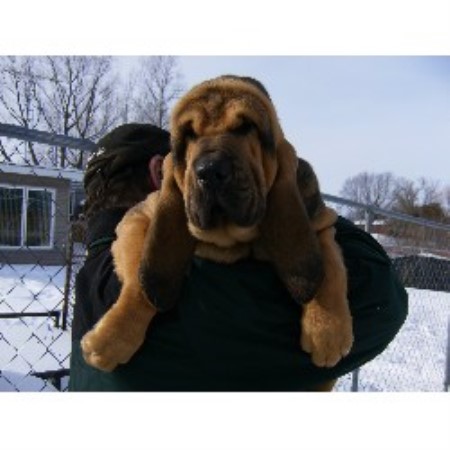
point(414, 361)
point(31, 344)
point(31, 288)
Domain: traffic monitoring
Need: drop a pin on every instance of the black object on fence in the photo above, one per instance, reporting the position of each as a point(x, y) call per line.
point(423, 272)
point(52, 376)
point(18, 315)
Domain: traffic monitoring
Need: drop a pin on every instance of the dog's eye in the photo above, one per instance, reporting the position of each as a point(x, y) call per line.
point(190, 134)
point(244, 127)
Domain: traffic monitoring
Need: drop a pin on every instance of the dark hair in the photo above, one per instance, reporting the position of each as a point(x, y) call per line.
point(250, 80)
point(117, 172)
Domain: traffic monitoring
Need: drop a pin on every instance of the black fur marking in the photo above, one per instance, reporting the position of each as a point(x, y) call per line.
point(304, 286)
point(162, 292)
point(250, 80)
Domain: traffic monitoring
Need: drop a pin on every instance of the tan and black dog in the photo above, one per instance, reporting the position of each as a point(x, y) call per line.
point(233, 187)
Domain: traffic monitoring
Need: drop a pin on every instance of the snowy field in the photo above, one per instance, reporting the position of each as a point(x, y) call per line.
point(31, 344)
point(414, 361)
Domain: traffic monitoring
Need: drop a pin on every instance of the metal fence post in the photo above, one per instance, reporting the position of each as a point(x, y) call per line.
point(355, 380)
point(68, 278)
point(368, 216)
point(447, 365)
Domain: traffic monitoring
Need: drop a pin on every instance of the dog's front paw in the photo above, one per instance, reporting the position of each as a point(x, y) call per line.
point(326, 335)
point(105, 352)
point(114, 340)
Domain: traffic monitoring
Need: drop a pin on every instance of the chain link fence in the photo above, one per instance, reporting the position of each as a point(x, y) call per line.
point(41, 250)
point(418, 358)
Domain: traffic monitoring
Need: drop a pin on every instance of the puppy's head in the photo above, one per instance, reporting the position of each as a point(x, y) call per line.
point(224, 145)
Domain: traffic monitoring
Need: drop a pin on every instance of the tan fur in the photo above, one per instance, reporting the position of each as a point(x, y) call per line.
point(121, 331)
point(285, 222)
point(326, 322)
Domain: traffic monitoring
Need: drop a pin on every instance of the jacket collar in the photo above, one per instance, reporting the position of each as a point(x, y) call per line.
point(102, 225)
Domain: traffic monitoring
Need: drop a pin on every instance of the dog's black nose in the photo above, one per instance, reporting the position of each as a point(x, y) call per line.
point(213, 170)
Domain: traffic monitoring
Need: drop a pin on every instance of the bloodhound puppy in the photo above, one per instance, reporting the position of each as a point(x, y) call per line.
point(233, 187)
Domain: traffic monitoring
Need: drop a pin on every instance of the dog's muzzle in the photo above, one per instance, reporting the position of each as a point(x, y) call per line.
point(224, 193)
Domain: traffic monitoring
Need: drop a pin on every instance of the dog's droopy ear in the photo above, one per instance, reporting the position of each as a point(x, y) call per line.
point(286, 233)
point(168, 247)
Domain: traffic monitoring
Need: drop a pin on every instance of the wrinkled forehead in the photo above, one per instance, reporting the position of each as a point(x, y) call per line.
point(209, 108)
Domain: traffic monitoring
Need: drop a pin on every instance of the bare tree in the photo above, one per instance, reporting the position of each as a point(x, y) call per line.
point(370, 189)
point(421, 198)
point(447, 200)
point(125, 99)
point(406, 196)
point(5, 154)
point(153, 87)
point(430, 190)
point(75, 97)
point(18, 105)
point(68, 95)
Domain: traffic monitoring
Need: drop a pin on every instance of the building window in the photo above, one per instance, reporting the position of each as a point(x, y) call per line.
point(26, 216)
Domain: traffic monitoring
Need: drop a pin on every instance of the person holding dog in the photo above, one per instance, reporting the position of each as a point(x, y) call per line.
point(241, 336)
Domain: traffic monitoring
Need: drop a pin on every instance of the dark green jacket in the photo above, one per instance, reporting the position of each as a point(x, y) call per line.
point(235, 327)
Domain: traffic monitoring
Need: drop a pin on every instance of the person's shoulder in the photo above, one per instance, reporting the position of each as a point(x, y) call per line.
point(358, 242)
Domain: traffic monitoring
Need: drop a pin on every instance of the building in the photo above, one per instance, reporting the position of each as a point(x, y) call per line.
point(36, 206)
